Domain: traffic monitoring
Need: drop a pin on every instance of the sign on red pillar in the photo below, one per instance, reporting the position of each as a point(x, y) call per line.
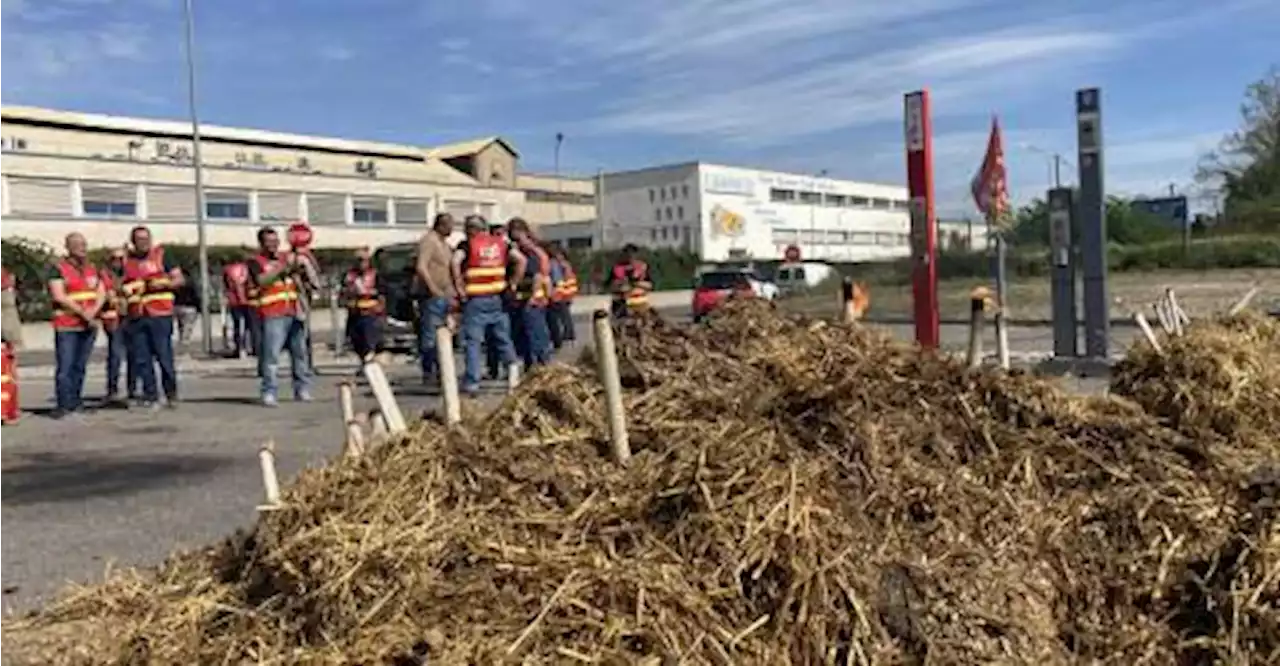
point(924, 228)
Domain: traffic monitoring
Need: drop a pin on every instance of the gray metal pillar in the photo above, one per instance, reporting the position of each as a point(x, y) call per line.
point(1093, 223)
point(1062, 284)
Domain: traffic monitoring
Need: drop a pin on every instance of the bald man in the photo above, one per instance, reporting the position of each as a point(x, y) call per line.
point(78, 294)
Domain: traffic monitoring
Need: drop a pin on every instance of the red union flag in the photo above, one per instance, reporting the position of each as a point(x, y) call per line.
point(990, 186)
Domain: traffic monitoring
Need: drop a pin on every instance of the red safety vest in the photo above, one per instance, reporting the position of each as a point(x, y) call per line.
point(234, 275)
point(147, 287)
point(362, 291)
point(280, 298)
point(486, 265)
point(9, 284)
point(630, 273)
point(81, 283)
point(566, 288)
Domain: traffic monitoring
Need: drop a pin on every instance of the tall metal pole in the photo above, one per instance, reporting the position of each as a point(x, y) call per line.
point(559, 186)
point(600, 207)
point(206, 324)
point(1091, 214)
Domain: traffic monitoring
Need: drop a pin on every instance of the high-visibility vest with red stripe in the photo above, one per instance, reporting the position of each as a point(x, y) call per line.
point(630, 273)
point(81, 284)
point(232, 276)
point(485, 268)
point(362, 291)
point(148, 288)
point(280, 298)
point(566, 287)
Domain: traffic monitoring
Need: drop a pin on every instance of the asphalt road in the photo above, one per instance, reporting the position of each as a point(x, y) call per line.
point(126, 488)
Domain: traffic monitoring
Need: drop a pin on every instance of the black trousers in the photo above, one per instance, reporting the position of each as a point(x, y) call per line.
point(364, 332)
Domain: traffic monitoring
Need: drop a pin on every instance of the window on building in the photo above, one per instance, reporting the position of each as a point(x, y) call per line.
point(900, 204)
point(810, 198)
point(673, 191)
point(369, 211)
point(776, 194)
point(662, 193)
point(662, 233)
point(670, 216)
point(835, 200)
point(862, 238)
point(411, 211)
point(653, 234)
point(226, 205)
point(859, 202)
point(653, 196)
point(886, 239)
point(657, 214)
point(881, 204)
point(109, 200)
point(679, 212)
point(684, 190)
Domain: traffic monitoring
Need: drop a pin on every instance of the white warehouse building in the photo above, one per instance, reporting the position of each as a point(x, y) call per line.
point(724, 212)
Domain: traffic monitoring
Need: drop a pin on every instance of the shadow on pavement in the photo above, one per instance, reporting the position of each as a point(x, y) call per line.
point(39, 478)
point(224, 400)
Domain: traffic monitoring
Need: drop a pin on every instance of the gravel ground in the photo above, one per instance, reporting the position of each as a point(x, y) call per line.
point(126, 488)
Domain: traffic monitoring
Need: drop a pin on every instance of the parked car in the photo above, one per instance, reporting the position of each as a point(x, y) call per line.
point(715, 287)
point(395, 266)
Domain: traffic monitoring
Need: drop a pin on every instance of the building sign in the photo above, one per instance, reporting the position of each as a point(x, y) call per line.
point(726, 222)
point(800, 183)
point(915, 122)
point(726, 183)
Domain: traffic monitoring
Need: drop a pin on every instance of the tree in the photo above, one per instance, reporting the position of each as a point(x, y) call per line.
point(1125, 225)
point(1246, 166)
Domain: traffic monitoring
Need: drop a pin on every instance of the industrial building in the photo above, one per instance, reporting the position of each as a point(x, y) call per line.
point(101, 175)
point(724, 212)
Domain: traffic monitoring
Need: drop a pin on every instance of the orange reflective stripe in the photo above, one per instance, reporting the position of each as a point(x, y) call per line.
point(278, 297)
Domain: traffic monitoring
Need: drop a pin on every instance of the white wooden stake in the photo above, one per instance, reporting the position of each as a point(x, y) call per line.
point(513, 376)
point(346, 403)
point(380, 432)
point(1181, 315)
point(448, 377)
point(607, 357)
point(1243, 303)
point(1146, 330)
point(1162, 315)
point(270, 483)
point(355, 440)
point(386, 398)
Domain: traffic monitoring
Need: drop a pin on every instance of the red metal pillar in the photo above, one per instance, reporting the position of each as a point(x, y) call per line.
point(924, 227)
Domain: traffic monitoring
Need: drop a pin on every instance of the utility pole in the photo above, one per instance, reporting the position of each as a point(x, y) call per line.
point(600, 207)
point(559, 185)
point(1057, 171)
point(206, 324)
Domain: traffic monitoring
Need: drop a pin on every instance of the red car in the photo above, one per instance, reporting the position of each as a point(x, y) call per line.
point(714, 287)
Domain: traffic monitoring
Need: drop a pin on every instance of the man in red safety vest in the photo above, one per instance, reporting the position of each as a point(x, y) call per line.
point(362, 293)
point(149, 280)
point(275, 276)
point(235, 283)
point(630, 282)
point(480, 279)
point(78, 293)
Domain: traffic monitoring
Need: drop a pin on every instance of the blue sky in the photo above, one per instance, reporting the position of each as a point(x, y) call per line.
point(805, 85)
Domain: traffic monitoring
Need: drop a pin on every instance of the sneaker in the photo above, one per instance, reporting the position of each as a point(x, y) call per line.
point(269, 400)
point(304, 396)
point(150, 405)
point(171, 402)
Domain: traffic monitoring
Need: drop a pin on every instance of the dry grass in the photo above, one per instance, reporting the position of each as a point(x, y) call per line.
point(1201, 293)
point(801, 493)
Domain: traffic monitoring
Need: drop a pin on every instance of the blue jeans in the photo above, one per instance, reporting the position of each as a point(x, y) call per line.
point(120, 352)
point(241, 328)
point(278, 334)
point(484, 321)
point(431, 315)
point(532, 336)
point(152, 342)
point(71, 353)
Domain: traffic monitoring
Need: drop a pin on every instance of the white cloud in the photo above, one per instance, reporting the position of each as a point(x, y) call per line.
point(337, 53)
point(455, 43)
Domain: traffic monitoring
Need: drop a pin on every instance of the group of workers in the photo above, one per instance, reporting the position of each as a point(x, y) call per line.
point(514, 295)
point(509, 294)
point(132, 300)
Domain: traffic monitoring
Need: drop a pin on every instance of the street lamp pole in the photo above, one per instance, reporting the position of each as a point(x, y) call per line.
point(1053, 162)
point(206, 324)
point(559, 185)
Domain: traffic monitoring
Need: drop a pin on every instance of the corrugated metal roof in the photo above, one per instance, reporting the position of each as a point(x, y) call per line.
point(170, 127)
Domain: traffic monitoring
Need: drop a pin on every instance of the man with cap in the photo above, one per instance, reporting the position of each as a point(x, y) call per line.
point(480, 279)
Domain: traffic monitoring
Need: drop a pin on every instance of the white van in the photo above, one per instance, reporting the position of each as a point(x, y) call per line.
point(801, 276)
